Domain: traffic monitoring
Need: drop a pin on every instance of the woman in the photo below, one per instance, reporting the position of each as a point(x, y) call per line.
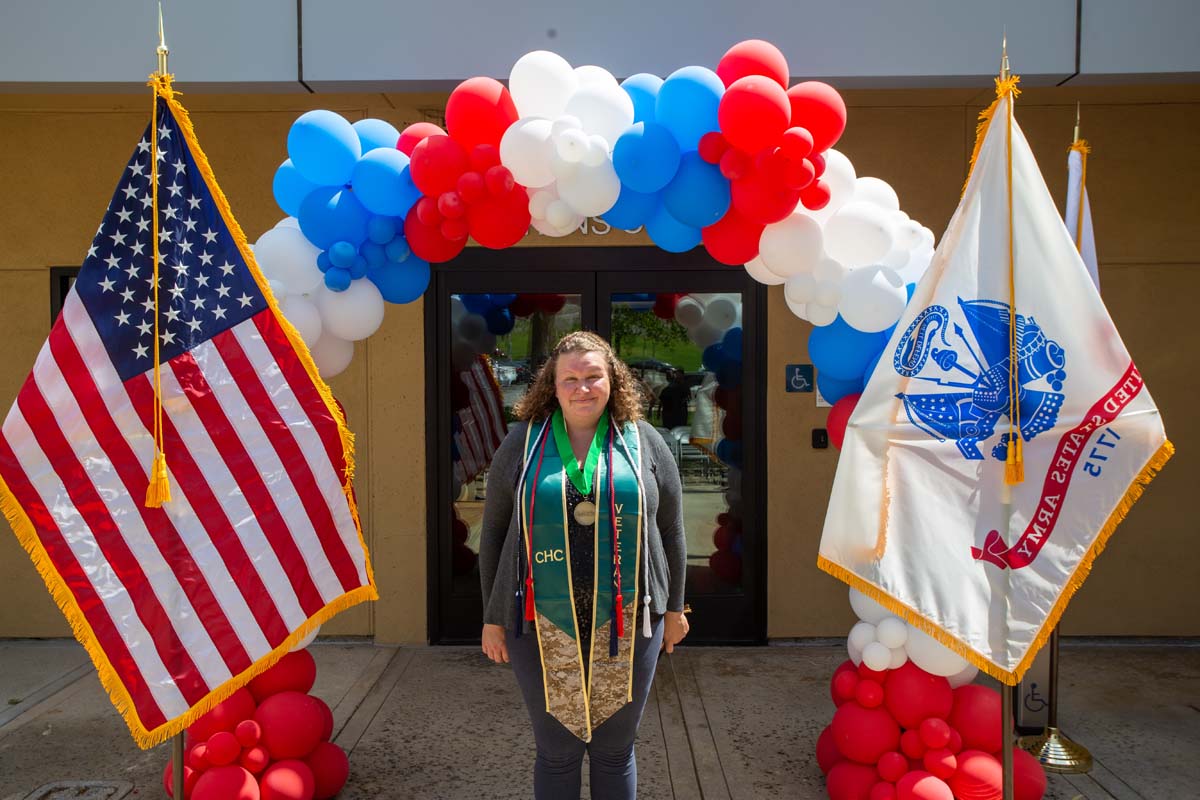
point(582, 485)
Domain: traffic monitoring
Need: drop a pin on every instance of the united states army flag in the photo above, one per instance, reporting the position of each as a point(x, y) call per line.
point(922, 516)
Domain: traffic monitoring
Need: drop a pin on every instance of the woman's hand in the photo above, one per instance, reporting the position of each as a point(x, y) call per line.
point(675, 627)
point(494, 646)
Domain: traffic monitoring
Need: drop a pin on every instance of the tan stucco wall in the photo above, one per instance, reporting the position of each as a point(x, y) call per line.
point(60, 157)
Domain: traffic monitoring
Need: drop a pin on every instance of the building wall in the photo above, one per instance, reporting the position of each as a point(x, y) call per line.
point(60, 156)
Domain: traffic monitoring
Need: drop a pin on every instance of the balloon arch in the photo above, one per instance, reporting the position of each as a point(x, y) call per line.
point(734, 160)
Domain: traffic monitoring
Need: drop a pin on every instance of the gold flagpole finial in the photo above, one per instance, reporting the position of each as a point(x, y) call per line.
point(162, 50)
point(1076, 139)
point(1005, 72)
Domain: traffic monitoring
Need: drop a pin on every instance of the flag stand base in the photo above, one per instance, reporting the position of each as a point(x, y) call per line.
point(1057, 753)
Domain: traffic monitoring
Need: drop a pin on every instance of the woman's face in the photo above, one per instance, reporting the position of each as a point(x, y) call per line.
point(582, 385)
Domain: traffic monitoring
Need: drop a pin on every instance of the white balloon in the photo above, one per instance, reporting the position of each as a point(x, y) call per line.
point(331, 355)
point(861, 635)
point(821, 315)
point(892, 631)
point(827, 293)
point(866, 608)
point(544, 226)
point(704, 335)
point(288, 222)
point(839, 176)
point(591, 191)
point(563, 123)
point(928, 238)
point(539, 202)
point(855, 653)
point(604, 110)
point(800, 289)
point(917, 266)
point(597, 151)
point(877, 656)
point(720, 313)
point(559, 214)
point(799, 309)
point(759, 271)
point(688, 312)
point(874, 190)
point(457, 311)
point(303, 314)
point(858, 234)
point(471, 329)
point(287, 256)
point(525, 150)
point(873, 298)
point(967, 675)
point(353, 314)
point(931, 655)
point(829, 270)
point(791, 246)
point(896, 258)
point(907, 235)
point(899, 656)
point(540, 83)
point(591, 75)
point(570, 145)
point(278, 290)
point(307, 640)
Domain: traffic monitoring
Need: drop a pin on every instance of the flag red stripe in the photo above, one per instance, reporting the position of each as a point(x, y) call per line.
point(290, 455)
point(67, 567)
point(133, 475)
point(225, 438)
point(212, 517)
point(304, 389)
point(115, 550)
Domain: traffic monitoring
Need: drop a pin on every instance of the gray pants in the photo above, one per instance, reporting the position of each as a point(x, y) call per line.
point(557, 769)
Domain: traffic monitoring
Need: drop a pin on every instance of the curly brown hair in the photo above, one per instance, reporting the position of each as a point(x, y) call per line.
point(624, 399)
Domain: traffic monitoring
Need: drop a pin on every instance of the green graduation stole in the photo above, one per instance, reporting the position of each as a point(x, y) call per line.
point(580, 703)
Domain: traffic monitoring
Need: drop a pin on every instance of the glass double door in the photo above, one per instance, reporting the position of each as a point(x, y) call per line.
point(689, 338)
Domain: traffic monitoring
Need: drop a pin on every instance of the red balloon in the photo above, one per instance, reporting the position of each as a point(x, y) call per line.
point(850, 781)
point(818, 161)
point(437, 162)
point(819, 108)
point(454, 229)
point(845, 666)
point(226, 783)
point(712, 146)
point(224, 716)
point(664, 308)
point(723, 538)
point(471, 187)
point(1029, 779)
point(955, 745)
point(762, 196)
point(499, 182)
point(414, 134)
point(770, 160)
point(935, 733)
point(868, 674)
point(976, 715)
point(326, 720)
point(287, 780)
point(845, 686)
point(427, 211)
point(816, 195)
point(525, 305)
point(827, 752)
point(427, 240)
point(223, 748)
point(979, 776)
point(450, 205)
point(330, 769)
point(799, 174)
point(864, 734)
point(726, 566)
point(839, 416)
point(190, 776)
point(248, 732)
point(941, 763)
point(735, 164)
point(551, 303)
point(255, 759)
point(197, 757)
point(883, 791)
point(913, 695)
point(919, 785)
point(796, 143)
point(753, 57)
point(295, 672)
point(911, 744)
point(732, 239)
point(868, 694)
point(892, 766)
point(753, 113)
point(479, 111)
point(292, 723)
point(500, 221)
point(732, 427)
point(484, 156)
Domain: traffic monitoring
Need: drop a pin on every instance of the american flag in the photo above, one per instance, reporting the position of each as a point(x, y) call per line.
point(479, 424)
point(180, 605)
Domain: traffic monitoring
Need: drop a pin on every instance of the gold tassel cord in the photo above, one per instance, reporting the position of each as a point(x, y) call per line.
point(158, 491)
point(1014, 462)
point(1084, 149)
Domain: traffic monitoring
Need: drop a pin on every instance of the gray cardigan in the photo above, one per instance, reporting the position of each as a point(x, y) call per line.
point(663, 517)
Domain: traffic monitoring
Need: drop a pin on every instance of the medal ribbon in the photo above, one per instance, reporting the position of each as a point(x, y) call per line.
point(581, 478)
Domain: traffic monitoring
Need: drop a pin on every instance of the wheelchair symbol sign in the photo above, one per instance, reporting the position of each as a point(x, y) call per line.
point(800, 378)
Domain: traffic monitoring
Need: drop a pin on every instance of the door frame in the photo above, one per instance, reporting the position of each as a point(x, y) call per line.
point(557, 269)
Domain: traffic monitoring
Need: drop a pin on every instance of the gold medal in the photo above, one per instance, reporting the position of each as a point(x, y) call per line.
point(585, 513)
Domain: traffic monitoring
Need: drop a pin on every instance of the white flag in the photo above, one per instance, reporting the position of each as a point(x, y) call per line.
point(1079, 214)
point(918, 517)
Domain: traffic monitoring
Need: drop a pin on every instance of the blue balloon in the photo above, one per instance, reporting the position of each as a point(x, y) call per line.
point(646, 157)
point(730, 452)
point(373, 133)
point(382, 182)
point(332, 214)
point(642, 89)
point(833, 390)
point(358, 268)
point(687, 104)
point(381, 230)
point(397, 250)
point(729, 374)
point(342, 254)
point(290, 188)
point(503, 300)
point(401, 283)
point(731, 344)
point(499, 321)
point(323, 262)
point(324, 147)
point(699, 194)
point(373, 253)
point(476, 303)
point(669, 233)
point(843, 352)
point(713, 357)
point(632, 210)
point(337, 279)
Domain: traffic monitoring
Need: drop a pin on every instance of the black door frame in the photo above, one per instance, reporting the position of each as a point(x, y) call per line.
point(558, 269)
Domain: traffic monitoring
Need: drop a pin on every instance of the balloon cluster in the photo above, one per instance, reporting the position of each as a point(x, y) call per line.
point(910, 724)
point(266, 741)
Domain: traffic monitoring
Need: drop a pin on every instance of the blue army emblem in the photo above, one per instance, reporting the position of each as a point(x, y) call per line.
point(978, 375)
